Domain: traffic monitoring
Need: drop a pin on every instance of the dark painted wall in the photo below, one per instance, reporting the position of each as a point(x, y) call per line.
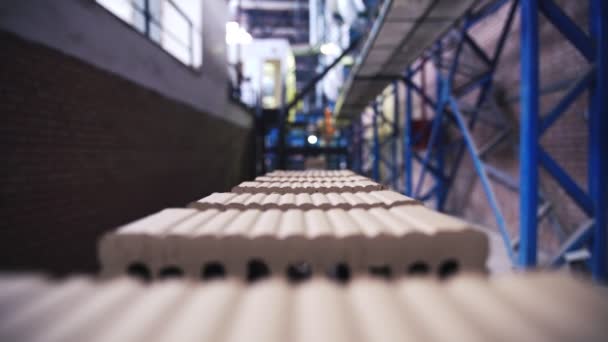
point(84, 150)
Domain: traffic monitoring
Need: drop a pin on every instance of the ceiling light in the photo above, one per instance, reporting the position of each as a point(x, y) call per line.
point(312, 139)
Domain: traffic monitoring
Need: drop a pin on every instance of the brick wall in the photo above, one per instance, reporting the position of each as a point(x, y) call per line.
point(84, 150)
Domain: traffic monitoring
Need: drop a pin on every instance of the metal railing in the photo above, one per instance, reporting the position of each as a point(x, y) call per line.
point(151, 20)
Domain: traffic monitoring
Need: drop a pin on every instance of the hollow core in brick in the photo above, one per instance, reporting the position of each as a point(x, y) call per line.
point(257, 269)
point(299, 271)
point(139, 270)
point(340, 272)
point(418, 268)
point(213, 270)
point(448, 268)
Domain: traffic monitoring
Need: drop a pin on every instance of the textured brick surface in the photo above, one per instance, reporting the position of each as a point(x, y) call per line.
point(84, 150)
point(518, 307)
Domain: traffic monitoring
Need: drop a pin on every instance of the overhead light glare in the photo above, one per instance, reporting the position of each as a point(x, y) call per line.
point(235, 34)
point(312, 139)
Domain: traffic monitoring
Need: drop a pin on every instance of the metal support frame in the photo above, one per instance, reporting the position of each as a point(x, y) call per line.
point(447, 111)
point(594, 48)
point(391, 139)
point(149, 20)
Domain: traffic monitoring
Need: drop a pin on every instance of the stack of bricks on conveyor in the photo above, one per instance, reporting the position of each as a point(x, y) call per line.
point(307, 187)
point(519, 307)
point(252, 235)
point(305, 201)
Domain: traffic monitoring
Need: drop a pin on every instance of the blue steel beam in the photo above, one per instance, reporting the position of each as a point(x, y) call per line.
point(359, 150)
point(437, 122)
point(395, 137)
point(456, 61)
point(415, 69)
point(437, 173)
point(528, 145)
point(425, 98)
point(486, 83)
point(477, 49)
point(568, 28)
point(376, 145)
point(576, 240)
point(502, 178)
point(598, 143)
point(379, 162)
point(574, 191)
point(443, 93)
point(407, 138)
point(485, 182)
point(572, 94)
point(503, 35)
point(428, 194)
point(480, 80)
point(435, 128)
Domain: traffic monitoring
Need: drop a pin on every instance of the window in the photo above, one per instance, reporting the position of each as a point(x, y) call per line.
point(271, 81)
point(172, 24)
point(150, 28)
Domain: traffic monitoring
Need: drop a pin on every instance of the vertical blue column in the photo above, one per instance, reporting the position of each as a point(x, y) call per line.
point(358, 137)
point(376, 147)
point(528, 148)
point(362, 146)
point(598, 143)
point(349, 135)
point(442, 93)
point(407, 138)
point(395, 138)
point(358, 145)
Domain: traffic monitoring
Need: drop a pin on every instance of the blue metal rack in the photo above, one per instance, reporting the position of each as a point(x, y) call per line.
point(448, 112)
point(379, 161)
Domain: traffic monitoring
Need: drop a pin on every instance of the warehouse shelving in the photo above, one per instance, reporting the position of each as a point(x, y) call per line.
point(593, 46)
